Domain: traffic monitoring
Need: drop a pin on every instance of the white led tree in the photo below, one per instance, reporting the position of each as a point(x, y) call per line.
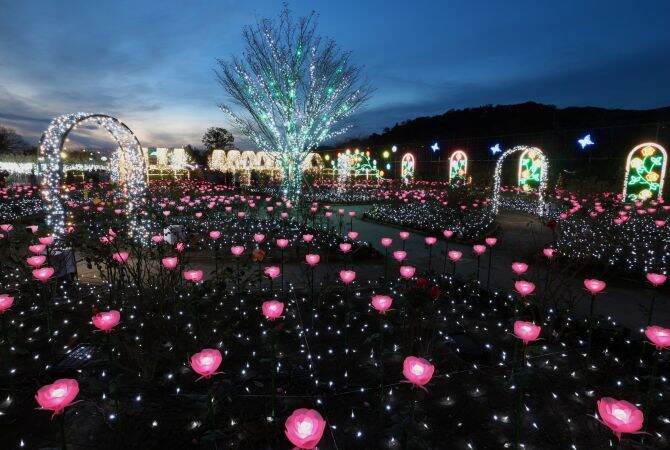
point(291, 91)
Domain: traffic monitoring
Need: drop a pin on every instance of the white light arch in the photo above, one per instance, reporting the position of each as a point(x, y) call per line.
point(313, 161)
point(497, 174)
point(644, 167)
point(458, 158)
point(51, 146)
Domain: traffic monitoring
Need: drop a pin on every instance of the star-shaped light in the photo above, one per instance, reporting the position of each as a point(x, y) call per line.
point(495, 149)
point(585, 141)
point(435, 147)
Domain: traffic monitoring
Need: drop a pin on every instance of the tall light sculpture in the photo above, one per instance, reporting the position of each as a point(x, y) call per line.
point(290, 91)
point(407, 167)
point(458, 166)
point(645, 172)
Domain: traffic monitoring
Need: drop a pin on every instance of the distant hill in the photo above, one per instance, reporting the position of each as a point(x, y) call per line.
point(502, 120)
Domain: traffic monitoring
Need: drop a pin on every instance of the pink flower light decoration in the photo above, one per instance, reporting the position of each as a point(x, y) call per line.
point(6, 302)
point(205, 362)
point(43, 274)
point(658, 336)
point(352, 235)
point(6, 227)
point(58, 395)
point(120, 257)
point(214, 234)
point(381, 303)
point(106, 320)
point(455, 255)
point(491, 241)
point(170, 262)
point(312, 259)
point(407, 272)
point(272, 309)
point(479, 249)
point(236, 250)
point(526, 331)
point(157, 239)
point(548, 252)
point(594, 286)
point(447, 234)
point(282, 243)
point(36, 261)
point(345, 247)
point(524, 288)
point(386, 242)
point(417, 371)
point(272, 272)
point(193, 275)
point(347, 276)
point(657, 279)
point(404, 235)
point(37, 249)
point(259, 238)
point(399, 255)
point(308, 238)
point(519, 268)
point(620, 416)
point(430, 240)
point(304, 428)
point(46, 240)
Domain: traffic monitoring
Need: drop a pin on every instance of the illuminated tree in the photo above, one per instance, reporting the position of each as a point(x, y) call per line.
point(291, 88)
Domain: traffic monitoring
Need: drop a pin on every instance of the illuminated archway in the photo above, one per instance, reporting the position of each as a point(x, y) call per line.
point(407, 167)
point(313, 161)
point(458, 166)
point(542, 186)
point(531, 169)
point(130, 154)
point(645, 172)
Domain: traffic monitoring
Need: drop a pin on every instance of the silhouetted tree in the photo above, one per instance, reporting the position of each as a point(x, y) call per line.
point(217, 137)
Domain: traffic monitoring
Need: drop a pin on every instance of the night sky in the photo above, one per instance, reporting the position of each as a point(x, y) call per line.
point(150, 63)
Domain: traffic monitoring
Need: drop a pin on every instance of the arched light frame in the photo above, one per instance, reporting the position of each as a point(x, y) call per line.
point(407, 166)
point(51, 146)
point(521, 158)
point(453, 162)
point(628, 166)
point(497, 175)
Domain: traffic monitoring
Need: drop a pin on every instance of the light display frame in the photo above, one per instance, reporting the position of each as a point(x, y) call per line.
point(458, 160)
point(497, 175)
point(660, 182)
point(49, 169)
point(523, 181)
point(407, 167)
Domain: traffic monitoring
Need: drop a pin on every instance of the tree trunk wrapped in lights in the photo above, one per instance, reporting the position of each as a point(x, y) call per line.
point(290, 90)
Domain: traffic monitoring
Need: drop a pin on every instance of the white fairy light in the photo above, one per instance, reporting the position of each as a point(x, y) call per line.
point(497, 174)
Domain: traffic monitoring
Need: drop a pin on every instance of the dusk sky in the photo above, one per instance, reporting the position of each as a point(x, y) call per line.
point(150, 63)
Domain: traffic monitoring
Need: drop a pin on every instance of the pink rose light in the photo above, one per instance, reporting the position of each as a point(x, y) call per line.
point(347, 276)
point(106, 320)
point(193, 275)
point(491, 241)
point(417, 371)
point(386, 242)
point(6, 302)
point(399, 255)
point(381, 303)
point(548, 252)
point(58, 395)
point(430, 240)
point(519, 268)
point(157, 239)
point(259, 238)
point(180, 247)
point(524, 288)
point(282, 243)
point(37, 249)
point(205, 362)
point(6, 227)
point(43, 274)
point(658, 336)
point(656, 279)
point(407, 272)
point(594, 286)
point(304, 428)
point(352, 235)
point(170, 262)
point(308, 238)
point(120, 257)
point(455, 255)
point(236, 250)
point(312, 259)
point(272, 272)
point(479, 249)
point(272, 309)
point(447, 234)
point(404, 235)
point(36, 261)
point(46, 240)
point(526, 331)
point(620, 416)
point(214, 234)
point(345, 247)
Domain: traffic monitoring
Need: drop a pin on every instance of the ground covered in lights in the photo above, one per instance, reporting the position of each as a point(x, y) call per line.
point(330, 350)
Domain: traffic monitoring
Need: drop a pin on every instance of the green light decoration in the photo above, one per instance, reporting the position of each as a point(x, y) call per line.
point(458, 166)
point(645, 172)
point(290, 91)
point(530, 170)
point(407, 167)
point(364, 165)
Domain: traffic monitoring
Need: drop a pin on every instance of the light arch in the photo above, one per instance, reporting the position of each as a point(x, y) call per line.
point(648, 161)
point(458, 165)
point(497, 175)
point(407, 167)
point(51, 146)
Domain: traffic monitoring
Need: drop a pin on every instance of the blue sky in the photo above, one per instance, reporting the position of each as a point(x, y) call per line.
point(150, 62)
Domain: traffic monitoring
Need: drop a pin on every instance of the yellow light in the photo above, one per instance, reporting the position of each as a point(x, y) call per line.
point(386, 154)
point(327, 157)
point(63, 155)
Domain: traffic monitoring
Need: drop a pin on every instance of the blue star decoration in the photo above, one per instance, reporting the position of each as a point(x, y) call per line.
point(495, 149)
point(585, 141)
point(435, 147)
